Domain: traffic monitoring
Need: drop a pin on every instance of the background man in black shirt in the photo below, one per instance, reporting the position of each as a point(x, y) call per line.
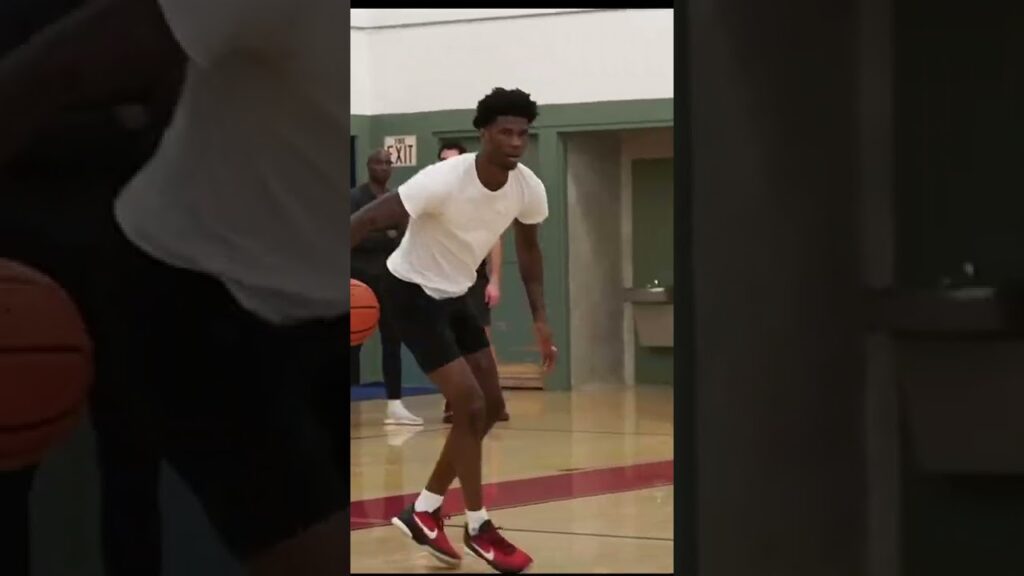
point(368, 266)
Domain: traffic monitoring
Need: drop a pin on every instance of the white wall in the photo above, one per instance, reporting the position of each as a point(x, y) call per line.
point(559, 58)
point(359, 102)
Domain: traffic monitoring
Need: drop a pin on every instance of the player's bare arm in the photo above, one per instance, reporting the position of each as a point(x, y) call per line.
point(383, 213)
point(495, 260)
point(493, 292)
point(531, 269)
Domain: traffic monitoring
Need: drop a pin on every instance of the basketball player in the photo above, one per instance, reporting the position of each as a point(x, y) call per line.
point(486, 291)
point(457, 210)
point(226, 284)
point(368, 264)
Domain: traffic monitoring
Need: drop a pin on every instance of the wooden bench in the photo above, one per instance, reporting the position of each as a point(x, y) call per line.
point(522, 376)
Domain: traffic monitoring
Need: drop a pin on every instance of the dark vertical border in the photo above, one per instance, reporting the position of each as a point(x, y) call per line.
point(347, 160)
point(685, 371)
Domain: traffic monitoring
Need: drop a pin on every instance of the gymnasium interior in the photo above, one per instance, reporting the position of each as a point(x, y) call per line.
point(596, 433)
point(783, 266)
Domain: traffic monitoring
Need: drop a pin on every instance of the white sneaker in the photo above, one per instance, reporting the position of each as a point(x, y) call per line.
point(398, 414)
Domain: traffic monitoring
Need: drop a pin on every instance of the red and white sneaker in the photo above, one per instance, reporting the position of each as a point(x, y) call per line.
point(427, 530)
point(491, 547)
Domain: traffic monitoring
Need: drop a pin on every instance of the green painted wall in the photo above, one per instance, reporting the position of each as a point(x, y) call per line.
point(547, 159)
point(653, 251)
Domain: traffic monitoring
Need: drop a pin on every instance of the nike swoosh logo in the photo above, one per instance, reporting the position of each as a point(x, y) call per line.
point(430, 533)
point(488, 555)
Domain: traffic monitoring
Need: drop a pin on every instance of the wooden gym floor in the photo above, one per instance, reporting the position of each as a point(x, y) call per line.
point(581, 480)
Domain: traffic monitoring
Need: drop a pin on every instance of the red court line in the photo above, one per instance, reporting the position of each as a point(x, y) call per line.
point(512, 493)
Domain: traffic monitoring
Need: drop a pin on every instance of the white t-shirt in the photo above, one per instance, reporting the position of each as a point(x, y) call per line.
point(455, 221)
point(249, 182)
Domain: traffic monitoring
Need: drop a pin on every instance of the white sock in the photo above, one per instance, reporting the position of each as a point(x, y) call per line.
point(395, 405)
point(475, 519)
point(427, 502)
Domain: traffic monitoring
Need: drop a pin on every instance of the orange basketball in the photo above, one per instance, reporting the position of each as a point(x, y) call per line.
point(365, 312)
point(45, 365)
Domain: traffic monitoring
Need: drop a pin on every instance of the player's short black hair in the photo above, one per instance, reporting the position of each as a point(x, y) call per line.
point(502, 102)
point(450, 146)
